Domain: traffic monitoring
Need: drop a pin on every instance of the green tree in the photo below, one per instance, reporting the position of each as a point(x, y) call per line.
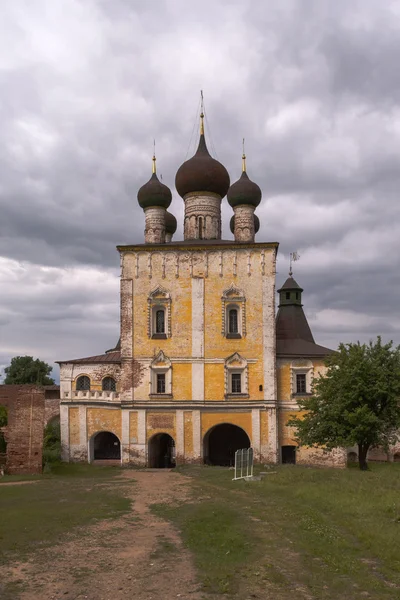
point(356, 402)
point(52, 443)
point(25, 369)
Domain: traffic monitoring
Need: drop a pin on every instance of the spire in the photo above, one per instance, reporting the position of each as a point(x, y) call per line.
point(202, 114)
point(154, 168)
point(243, 159)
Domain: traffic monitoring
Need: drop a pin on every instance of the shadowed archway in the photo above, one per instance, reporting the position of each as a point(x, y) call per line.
point(161, 451)
point(221, 443)
point(106, 446)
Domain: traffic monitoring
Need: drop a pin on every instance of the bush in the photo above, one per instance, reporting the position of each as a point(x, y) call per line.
point(52, 444)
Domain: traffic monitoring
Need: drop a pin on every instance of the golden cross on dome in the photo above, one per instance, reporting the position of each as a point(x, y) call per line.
point(154, 157)
point(202, 114)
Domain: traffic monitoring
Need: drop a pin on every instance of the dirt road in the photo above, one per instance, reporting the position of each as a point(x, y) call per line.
point(137, 556)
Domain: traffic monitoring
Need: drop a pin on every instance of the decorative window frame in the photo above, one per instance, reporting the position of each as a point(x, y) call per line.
point(160, 364)
point(158, 299)
point(301, 367)
point(236, 364)
point(233, 297)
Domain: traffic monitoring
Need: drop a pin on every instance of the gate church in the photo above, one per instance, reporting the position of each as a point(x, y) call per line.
point(203, 366)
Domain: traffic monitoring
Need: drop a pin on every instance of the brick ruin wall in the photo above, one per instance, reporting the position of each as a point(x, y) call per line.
point(30, 408)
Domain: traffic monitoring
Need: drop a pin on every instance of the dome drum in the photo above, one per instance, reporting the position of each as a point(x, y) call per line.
point(154, 232)
point(244, 223)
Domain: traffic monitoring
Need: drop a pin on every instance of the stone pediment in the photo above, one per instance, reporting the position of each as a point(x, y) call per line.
point(161, 360)
point(236, 361)
point(159, 292)
point(233, 292)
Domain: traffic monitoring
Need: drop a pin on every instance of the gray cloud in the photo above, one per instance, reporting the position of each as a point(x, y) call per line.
point(313, 86)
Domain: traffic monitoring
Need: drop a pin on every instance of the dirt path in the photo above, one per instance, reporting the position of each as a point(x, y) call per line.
point(137, 556)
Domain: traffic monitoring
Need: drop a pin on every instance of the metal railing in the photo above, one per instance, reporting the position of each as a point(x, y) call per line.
point(243, 463)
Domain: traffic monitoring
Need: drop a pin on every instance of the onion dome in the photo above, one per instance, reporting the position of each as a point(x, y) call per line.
point(202, 173)
point(170, 223)
point(244, 191)
point(256, 224)
point(154, 193)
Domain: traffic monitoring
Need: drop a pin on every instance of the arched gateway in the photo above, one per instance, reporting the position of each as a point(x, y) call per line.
point(161, 451)
point(221, 443)
point(105, 446)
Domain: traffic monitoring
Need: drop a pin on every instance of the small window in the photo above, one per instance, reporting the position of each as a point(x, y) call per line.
point(297, 295)
point(160, 383)
point(233, 320)
point(236, 383)
point(160, 321)
point(301, 383)
point(108, 384)
point(287, 295)
point(83, 383)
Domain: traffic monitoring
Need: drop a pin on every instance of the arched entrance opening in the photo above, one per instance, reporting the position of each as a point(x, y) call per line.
point(288, 455)
point(106, 446)
point(221, 443)
point(161, 451)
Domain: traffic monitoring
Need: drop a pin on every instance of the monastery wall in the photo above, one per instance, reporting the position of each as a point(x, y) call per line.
point(24, 431)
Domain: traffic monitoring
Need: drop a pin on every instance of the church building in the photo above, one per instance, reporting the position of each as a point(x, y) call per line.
point(204, 366)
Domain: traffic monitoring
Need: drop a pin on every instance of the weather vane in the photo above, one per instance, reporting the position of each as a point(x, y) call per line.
point(294, 256)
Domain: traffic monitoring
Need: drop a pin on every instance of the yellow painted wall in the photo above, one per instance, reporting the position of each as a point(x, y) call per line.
point(256, 378)
point(216, 345)
point(74, 437)
point(188, 433)
point(263, 427)
point(283, 373)
point(182, 381)
point(180, 343)
point(241, 419)
point(160, 422)
point(286, 433)
point(133, 427)
point(214, 382)
point(193, 264)
point(103, 419)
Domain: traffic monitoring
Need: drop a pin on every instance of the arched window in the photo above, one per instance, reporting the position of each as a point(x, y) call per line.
point(159, 314)
point(108, 384)
point(233, 321)
point(233, 313)
point(160, 320)
point(83, 383)
point(201, 228)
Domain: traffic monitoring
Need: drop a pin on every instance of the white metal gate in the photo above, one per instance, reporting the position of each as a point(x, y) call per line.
point(243, 463)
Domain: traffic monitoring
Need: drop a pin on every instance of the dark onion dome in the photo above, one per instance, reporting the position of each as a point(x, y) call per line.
point(256, 224)
point(202, 173)
point(154, 193)
point(244, 191)
point(170, 223)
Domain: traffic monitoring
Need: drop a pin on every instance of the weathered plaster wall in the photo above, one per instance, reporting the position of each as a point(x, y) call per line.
point(241, 419)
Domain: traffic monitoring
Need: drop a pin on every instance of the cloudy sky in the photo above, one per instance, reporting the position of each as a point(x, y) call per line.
point(313, 86)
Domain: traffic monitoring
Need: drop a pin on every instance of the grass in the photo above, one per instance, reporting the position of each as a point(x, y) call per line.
point(324, 532)
point(41, 513)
